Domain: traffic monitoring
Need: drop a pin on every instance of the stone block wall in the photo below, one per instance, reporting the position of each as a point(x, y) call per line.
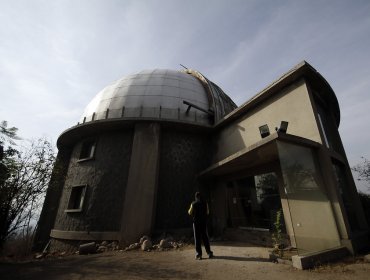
point(182, 156)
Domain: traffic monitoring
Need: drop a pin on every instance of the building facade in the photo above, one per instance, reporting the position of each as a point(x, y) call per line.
point(147, 142)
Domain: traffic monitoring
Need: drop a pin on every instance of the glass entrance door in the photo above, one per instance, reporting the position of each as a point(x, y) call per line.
point(310, 210)
point(253, 201)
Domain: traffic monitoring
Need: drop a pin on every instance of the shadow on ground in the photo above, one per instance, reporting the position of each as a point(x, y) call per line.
point(95, 266)
point(245, 259)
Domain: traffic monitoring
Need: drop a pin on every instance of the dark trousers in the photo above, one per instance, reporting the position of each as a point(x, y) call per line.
point(201, 235)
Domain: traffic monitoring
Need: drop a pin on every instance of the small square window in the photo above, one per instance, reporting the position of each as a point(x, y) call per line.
point(76, 199)
point(87, 150)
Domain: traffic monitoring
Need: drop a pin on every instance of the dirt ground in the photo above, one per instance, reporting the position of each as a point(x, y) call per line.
point(232, 261)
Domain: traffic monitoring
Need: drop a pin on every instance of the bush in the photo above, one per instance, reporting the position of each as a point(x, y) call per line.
point(18, 246)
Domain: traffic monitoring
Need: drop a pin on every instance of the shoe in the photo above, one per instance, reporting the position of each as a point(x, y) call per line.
point(210, 255)
point(198, 257)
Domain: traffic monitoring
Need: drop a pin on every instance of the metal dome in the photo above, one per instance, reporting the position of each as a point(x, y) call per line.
point(161, 94)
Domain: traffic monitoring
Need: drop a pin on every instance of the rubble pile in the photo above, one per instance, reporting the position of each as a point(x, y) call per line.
point(163, 244)
point(93, 247)
point(145, 244)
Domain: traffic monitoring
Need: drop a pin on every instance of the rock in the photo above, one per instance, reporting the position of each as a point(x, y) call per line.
point(39, 256)
point(87, 248)
point(147, 244)
point(104, 243)
point(367, 258)
point(102, 249)
point(133, 246)
point(164, 243)
point(142, 239)
point(114, 245)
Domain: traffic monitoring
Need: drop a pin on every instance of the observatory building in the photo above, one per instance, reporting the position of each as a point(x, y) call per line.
point(148, 141)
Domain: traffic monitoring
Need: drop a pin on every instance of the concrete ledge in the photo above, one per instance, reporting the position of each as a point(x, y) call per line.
point(309, 260)
point(84, 235)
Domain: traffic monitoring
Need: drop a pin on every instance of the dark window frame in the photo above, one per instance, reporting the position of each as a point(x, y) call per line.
point(76, 199)
point(87, 151)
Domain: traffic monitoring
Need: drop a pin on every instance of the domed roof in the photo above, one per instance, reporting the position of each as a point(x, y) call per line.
point(161, 94)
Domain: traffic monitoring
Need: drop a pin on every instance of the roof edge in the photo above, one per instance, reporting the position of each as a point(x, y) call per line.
point(301, 70)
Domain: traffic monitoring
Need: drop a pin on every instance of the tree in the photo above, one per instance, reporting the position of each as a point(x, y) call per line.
point(363, 170)
point(8, 134)
point(24, 185)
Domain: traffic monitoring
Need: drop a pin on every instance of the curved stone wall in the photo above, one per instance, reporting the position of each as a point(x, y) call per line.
point(105, 177)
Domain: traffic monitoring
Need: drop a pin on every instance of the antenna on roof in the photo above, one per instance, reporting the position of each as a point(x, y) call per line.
point(184, 66)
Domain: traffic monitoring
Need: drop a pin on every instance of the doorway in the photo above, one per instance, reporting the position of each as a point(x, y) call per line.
point(253, 201)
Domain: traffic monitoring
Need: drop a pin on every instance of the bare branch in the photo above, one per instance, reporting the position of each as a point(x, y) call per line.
point(20, 194)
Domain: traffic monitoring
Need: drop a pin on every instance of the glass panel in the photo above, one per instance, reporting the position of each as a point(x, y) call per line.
point(323, 131)
point(312, 217)
point(329, 129)
point(253, 201)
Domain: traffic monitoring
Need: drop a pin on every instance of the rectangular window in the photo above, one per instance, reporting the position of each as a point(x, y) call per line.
point(87, 149)
point(323, 131)
point(328, 126)
point(76, 199)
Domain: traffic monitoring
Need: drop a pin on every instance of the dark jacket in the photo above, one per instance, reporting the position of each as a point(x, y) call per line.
point(199, 210)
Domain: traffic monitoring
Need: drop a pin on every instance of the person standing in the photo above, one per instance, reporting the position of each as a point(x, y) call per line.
point(199, 211)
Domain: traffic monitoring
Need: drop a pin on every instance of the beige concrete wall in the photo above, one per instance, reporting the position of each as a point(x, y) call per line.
point(292, 104)
point(312, 216)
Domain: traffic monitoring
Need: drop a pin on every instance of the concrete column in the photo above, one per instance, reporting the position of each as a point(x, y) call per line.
point(140, 197)
point(332, 192)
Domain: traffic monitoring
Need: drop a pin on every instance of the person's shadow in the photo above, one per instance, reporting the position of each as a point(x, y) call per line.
point(245, 259)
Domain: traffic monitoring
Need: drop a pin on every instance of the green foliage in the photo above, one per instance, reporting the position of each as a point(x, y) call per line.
point(277, 236)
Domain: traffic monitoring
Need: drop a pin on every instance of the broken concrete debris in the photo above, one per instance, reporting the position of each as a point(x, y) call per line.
point(146, 244)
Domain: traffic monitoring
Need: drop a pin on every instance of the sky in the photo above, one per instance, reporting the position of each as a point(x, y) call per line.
point(55, 56)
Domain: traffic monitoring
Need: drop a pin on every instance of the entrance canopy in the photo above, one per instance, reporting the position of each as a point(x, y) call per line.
point(307, 210)
point(262, 155)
